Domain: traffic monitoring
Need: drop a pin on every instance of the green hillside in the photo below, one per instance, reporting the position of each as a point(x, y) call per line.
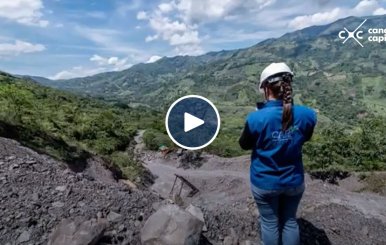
point(69, 127)
point(346, 83)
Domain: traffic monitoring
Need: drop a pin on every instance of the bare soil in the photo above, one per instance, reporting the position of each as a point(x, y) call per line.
point(328, 214)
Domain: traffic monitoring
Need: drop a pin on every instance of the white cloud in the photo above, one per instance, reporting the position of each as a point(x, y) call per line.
point(103, 64)
point(166, 7)
point(151, 38)
point(142, 15)
point(27, 12)
point(186, 38)
point(380, 11)
point(212, 10)
point(77, 71)
point(315, 19)
point(153, 59)
point(178, 21)
point(19, 47)
point(111, 63)
point(364, 7)
point(175, 32)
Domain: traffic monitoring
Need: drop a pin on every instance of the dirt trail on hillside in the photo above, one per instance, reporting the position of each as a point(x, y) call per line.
point(329, 214)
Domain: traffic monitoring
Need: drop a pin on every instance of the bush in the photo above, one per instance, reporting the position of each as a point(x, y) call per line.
point(154, 139)
point(126, 161)
point(361, 148)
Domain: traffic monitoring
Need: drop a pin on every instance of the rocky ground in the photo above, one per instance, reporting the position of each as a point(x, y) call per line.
point(37, 193)
point(328, 214)
point(41, 200)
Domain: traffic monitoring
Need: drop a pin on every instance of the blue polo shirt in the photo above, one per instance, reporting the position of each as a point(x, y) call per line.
point(276, 160)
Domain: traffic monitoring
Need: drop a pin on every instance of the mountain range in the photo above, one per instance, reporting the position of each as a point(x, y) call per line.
point(342, 81)
point(345, 83)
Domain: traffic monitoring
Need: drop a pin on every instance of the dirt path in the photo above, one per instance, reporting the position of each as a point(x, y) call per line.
point(333, 213)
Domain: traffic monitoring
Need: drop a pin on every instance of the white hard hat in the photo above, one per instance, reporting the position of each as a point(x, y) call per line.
point(270, 72)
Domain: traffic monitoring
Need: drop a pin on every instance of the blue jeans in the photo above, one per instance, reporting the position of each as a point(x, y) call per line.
point(277, 210)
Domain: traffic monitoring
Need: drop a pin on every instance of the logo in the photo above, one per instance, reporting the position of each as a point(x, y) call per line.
point(356, 34)
point(280, 136)
point(375, 35)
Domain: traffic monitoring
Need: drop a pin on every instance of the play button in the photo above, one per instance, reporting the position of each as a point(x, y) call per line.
point(192, 122)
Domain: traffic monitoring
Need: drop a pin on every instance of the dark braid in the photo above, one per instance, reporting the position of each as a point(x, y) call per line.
point(283, 90)
point(287, 118)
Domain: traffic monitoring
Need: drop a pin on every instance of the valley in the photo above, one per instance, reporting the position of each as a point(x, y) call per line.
point(94, 149)
point(345, 83)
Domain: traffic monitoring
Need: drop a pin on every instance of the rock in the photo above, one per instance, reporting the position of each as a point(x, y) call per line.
point(113, 216)
point(30, 162)
point(171, 225)
point(137, 223)
point(140, 216)
point(78, 232)
point(232, 239)
point(67, 171)
point(10, 158)
point(365, 230)
point(129, 237)
point(24, 237)
point(61, 188)
point(121, 228)
point(196, 212)
point(35, 196)
point(39, 196)
point(79, 176)
point(58, 204)
point(13, 166)
point(130, 184)
point(156, 206)
point(81, 204)
point(180, 152)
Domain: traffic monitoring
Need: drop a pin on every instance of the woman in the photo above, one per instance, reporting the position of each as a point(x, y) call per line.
point(275, 133)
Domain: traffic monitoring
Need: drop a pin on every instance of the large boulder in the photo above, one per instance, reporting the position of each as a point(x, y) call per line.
point(78, 232)
point(197, 212)
point(171, 225)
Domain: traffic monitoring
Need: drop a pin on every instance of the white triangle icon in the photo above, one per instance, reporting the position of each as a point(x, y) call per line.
point(191, 122)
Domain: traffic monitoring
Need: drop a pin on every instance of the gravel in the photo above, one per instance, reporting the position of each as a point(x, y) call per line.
point(38, 192)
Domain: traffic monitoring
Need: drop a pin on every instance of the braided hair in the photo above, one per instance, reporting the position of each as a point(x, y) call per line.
point(282, 89)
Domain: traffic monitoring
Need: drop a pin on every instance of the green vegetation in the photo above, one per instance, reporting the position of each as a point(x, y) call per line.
point(346, 84)
point(155, 139)
point(359, 148)
point(69, 127)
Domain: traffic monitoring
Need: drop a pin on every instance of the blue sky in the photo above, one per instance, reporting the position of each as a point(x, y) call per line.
point(62, 39)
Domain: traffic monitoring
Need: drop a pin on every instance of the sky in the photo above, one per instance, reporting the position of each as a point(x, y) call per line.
point(62, 39)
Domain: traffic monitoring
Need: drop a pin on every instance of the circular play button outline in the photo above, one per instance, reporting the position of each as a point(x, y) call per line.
point(196, 97)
